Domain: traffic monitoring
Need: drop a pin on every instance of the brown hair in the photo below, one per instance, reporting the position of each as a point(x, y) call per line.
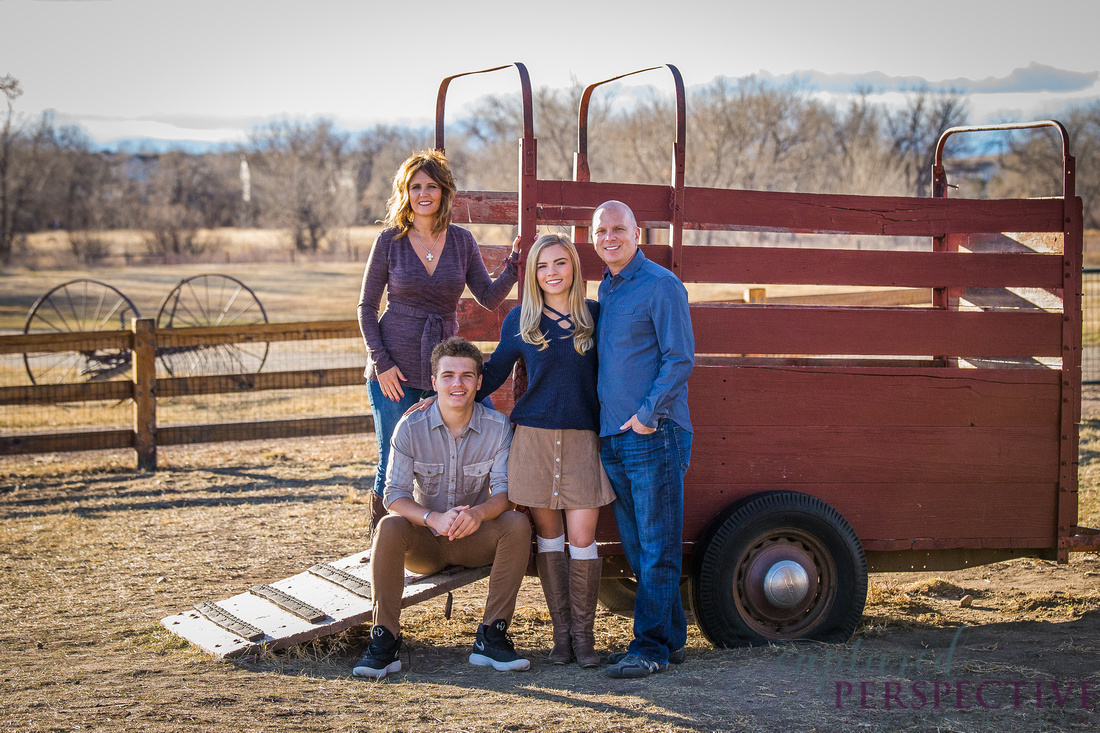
point(399, 214)
point(458, 347)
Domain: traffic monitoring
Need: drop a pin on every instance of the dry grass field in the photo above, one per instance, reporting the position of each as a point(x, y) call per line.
point(93, 554)
point(291, 286)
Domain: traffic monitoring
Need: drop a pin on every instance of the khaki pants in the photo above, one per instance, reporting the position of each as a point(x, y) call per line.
point(504, 543)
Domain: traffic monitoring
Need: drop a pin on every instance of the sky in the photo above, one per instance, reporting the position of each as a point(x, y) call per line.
point(210, 70)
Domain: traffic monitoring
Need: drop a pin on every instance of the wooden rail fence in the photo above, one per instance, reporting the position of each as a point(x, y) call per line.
point(144, 388)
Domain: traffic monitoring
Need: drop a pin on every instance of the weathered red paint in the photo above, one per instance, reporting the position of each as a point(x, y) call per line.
point(931, 429)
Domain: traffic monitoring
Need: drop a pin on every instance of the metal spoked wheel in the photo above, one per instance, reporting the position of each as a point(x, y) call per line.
point(212, 300)
point(76, 306)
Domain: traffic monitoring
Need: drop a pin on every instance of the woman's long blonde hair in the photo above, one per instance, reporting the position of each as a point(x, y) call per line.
point(530, 314)
point(399, 214)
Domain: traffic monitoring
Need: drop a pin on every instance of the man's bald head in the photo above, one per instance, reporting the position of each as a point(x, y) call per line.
point(617, 206)
point(615, 234)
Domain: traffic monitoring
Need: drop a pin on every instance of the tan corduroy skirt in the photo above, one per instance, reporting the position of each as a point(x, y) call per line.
point(557, 469)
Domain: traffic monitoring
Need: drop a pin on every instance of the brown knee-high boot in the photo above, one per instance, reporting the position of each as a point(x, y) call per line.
point(553, 568)
point(584, 587)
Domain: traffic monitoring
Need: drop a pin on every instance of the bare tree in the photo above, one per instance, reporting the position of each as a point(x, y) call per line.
point(80, 195)
point(1033, 163)
point(484, 152)
point(634, 143)
point(9, 85)
point(31, 161)
point(758, 136)
point(863, 161)
point(183, 193)
point(379, 152)
point(303, 179)
point(915, 130)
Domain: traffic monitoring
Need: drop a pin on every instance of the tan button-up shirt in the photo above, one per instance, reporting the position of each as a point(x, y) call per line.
point(437, 470)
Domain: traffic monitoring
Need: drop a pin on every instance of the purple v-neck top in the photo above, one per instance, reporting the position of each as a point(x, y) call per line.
point(420, 308)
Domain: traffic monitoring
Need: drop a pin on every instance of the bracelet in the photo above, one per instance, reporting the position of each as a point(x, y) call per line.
point(424, 519)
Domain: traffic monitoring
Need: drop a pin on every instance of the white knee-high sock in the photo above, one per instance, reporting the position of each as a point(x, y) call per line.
point(556, 544)
point(583, 553)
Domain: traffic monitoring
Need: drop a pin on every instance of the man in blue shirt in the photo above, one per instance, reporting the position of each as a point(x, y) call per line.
point(646, 351)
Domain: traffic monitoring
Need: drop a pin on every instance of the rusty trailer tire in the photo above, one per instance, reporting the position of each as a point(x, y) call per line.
point(775, 567)
point(617, 595)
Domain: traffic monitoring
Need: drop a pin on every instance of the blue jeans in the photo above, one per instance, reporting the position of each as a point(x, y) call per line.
point(386, 415)
point(647, 473)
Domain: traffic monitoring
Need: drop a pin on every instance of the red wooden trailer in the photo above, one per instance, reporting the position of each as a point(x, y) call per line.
point(833, 440)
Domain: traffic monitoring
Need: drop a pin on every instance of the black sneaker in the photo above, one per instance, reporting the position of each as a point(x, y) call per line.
point(632, 666)
point(494, 649)
point(381, 655)
point(677, 657)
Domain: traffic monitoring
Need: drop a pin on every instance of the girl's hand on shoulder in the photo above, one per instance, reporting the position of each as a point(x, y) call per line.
point(420, 406)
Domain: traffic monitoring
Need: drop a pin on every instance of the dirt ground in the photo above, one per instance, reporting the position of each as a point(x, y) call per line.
point(94, 554)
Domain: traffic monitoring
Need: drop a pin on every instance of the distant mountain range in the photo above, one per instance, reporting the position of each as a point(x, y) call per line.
point(157, 145)
point(1036, 79)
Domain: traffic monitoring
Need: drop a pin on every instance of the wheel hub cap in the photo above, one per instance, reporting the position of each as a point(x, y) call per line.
point(779, 582)
point(786, 584)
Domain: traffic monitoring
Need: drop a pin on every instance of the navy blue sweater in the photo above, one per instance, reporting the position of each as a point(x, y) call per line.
point(561, 384)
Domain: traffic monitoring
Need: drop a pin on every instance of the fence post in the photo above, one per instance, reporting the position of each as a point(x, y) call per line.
point(145, 384)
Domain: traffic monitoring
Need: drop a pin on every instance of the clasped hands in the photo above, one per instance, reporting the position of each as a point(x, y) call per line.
point(457, 522)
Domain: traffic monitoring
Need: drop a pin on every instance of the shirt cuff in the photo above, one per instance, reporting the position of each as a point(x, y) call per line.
point(390, 496)
point(382, 362)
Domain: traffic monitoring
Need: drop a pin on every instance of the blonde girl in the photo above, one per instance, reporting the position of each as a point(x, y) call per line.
point(554, 466)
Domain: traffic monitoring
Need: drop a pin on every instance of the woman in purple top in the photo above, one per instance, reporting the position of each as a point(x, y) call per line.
point(423, 262)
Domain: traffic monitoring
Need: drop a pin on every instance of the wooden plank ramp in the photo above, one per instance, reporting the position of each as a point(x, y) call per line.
point(324, 600)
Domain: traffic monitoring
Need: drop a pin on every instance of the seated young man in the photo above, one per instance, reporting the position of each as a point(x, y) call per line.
point(447, 494)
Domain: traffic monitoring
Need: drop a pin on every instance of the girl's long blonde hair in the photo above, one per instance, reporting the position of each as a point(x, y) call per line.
point(530, 314)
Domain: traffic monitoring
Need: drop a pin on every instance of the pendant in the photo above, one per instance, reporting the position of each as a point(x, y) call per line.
point(429, 257)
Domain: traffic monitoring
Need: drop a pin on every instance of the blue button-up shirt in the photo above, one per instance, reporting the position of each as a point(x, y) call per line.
point(645, 346)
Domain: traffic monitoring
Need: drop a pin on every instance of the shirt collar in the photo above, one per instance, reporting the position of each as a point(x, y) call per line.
point(631, 268)
point(435, 418)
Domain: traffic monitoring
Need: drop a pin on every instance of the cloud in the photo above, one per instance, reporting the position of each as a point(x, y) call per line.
point(183, 120)
point(183, 129)
point(1034, 78)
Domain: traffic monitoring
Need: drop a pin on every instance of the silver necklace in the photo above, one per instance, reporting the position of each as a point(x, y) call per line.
point(428, 250)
